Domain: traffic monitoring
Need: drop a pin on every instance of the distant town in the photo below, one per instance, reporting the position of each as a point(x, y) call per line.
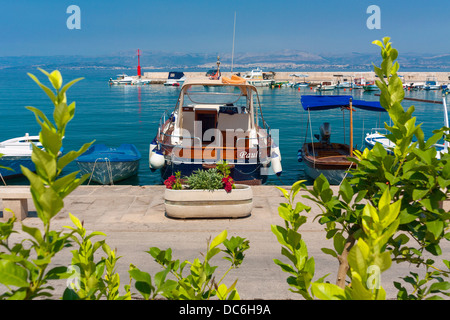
point(282, 61)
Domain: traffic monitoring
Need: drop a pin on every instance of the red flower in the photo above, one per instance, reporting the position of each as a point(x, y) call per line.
point(169, 182)
point(228, 183)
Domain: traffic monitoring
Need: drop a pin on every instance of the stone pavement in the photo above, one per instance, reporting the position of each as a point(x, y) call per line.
point(133, 219)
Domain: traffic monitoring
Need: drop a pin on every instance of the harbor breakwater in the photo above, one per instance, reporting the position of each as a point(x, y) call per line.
point(313, 77)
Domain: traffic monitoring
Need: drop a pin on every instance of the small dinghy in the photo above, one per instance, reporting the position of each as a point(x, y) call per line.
point(108, 165)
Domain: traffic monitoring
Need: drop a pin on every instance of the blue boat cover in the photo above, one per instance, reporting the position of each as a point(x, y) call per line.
point(102, 153)
point(176, 75)
point(315, 102)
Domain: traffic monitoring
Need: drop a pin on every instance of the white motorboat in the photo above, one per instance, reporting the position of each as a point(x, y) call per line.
point(16, 153)
point(175, 79)
point(326, 86)
point(121, 79)
point(255, 78)
point(216, 121)
point(431, 84)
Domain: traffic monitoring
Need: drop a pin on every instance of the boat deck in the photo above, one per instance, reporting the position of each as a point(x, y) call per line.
point(332, 156)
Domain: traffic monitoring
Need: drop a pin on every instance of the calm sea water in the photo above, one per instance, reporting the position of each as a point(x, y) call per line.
point(130, 114)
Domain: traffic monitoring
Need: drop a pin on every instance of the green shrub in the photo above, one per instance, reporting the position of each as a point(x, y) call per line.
point(205, 180)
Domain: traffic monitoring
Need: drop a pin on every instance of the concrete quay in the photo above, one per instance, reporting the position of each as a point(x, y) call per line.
point(133, 219)
point(314, 77)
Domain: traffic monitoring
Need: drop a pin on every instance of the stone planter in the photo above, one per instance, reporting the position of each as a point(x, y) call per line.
point(209, 204)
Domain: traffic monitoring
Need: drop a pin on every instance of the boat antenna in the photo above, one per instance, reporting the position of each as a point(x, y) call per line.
point(232, 51)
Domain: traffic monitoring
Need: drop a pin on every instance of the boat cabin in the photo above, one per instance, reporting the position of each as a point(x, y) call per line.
point(216, 121)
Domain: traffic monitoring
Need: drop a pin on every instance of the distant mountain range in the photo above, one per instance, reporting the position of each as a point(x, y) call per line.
point(281, 60)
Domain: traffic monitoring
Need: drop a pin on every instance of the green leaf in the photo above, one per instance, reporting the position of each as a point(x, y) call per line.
point(339, 242)
point(281, 234)
point(358, 256)
point(12, 274)
point(70, 294)
point(212, 252)
point(56, 79)
point(34, 232)
point(439, 286)
point(47, 90)
point(285, 267)
point(45, 164)
point(51, 140)
point(68, 85)
point(143, 282)
point(330, 252)
point(327, 291)
point(285, 193)
point(218, 239)
point(346, 191)
point(75, 221)
point(72, 155)
point(418, 194)
point(435, 227)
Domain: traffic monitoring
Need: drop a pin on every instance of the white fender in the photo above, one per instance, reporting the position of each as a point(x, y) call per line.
point(153, 145)
point(156, 159)
point(276, 164)
point(275, 149)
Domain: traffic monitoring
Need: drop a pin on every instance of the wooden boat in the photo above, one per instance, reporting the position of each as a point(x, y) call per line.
point(220, 124)
point(325, 157)
point(108, 165)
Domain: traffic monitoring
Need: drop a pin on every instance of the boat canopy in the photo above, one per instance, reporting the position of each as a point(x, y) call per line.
point(176, 75)
point(313, 102)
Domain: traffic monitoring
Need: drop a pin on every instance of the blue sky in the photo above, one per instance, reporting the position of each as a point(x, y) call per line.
point(38, 27)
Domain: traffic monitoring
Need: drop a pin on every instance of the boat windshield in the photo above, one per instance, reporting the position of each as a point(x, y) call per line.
point(214, 95)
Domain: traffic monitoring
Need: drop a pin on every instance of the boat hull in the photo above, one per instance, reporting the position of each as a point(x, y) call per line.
point(105, 172)
point(371, 88)
point(15, 164)
point(109, 165)
point(259, 83)
point(330, 161)
point(326, 88)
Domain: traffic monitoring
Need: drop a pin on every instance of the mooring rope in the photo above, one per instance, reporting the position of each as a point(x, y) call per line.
point(108, 167)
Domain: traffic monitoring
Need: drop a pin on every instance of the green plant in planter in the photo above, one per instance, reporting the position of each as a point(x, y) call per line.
point(211, 179)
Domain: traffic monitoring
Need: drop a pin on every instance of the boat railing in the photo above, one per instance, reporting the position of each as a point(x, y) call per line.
point(379, 130)
point(170, 136)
